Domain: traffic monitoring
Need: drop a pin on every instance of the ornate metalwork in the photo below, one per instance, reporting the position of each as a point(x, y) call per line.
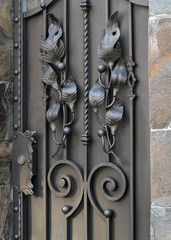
point(53, 51)
point(62, 185)
point(110, 52)
point(25, 161)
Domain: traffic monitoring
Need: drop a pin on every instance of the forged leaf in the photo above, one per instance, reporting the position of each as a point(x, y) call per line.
point(96, 96)
point(69, 93)
point(114, 116)
point(50, 78)
point(119, 73)
point(109, 50)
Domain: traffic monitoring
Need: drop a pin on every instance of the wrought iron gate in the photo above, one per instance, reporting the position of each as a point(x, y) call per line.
point(81, 144)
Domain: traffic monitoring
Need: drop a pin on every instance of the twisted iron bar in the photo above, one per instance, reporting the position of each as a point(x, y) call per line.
point(85, 7)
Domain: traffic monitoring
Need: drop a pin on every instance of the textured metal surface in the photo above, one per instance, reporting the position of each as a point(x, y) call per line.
point(81, 191)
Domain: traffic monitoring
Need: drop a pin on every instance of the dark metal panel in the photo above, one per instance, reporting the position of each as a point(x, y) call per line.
point(46, 210)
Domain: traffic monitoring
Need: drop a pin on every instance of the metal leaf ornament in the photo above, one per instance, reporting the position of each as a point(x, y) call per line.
point(52, 48)
point(109, 50)
point(69, 93)
point(49, 77)
point(52, 116)
point(114, 116)
point(96, 96)
point(119, 73)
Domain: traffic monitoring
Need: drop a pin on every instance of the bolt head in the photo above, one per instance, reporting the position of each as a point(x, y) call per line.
point(101, 68)
point(16, 45)
point(16, 72)
point(16, 209)
point(101, 133)
point(43, 5)
point(16, 236)
point(67, 130)
point(21, 160)
point(16, 19)
point(15, 126)
point(61, 66)
point(15, 98)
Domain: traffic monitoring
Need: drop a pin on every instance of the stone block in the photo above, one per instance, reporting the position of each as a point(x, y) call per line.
point(6, 16)
point(3, 203)
point(7, 228)
point(160, 163)
point(160, 71)
point(5, 152)
point(161, 219)
point(5, 173)
point(159, 6)
point(6, 58)
point(6, 112)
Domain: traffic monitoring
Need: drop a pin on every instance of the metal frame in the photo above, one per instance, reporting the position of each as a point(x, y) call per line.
point(69, 97)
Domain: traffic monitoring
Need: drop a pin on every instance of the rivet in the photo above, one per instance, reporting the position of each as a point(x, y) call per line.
point(16, 236)
point(15, 98)
point(16, 19)
point(15, 126)
point(16, 45)
point(16, 209)
point(43, 5)
point(16, 72)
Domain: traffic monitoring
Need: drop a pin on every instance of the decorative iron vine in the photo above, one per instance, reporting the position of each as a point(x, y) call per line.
point(112, 181)
point(110, 52)
point(53, 51)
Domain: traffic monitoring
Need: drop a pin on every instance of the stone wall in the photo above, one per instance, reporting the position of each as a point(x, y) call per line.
point(160, 117)
point(6, 117)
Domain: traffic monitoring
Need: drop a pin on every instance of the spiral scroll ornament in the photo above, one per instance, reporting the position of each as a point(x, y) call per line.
point(65, 180)
point(111, 182)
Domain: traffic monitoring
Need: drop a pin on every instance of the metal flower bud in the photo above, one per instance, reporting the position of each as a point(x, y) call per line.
point(52, 115)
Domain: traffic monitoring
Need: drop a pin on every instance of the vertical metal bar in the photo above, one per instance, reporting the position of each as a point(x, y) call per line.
point(66, 60)
point(131, 174)
point(107, 156)
point(108, 229)
point(131, 83)
point(130, 28)
point(45, 167)
point(106, 10)
point(85, 138)
point(66, 229)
